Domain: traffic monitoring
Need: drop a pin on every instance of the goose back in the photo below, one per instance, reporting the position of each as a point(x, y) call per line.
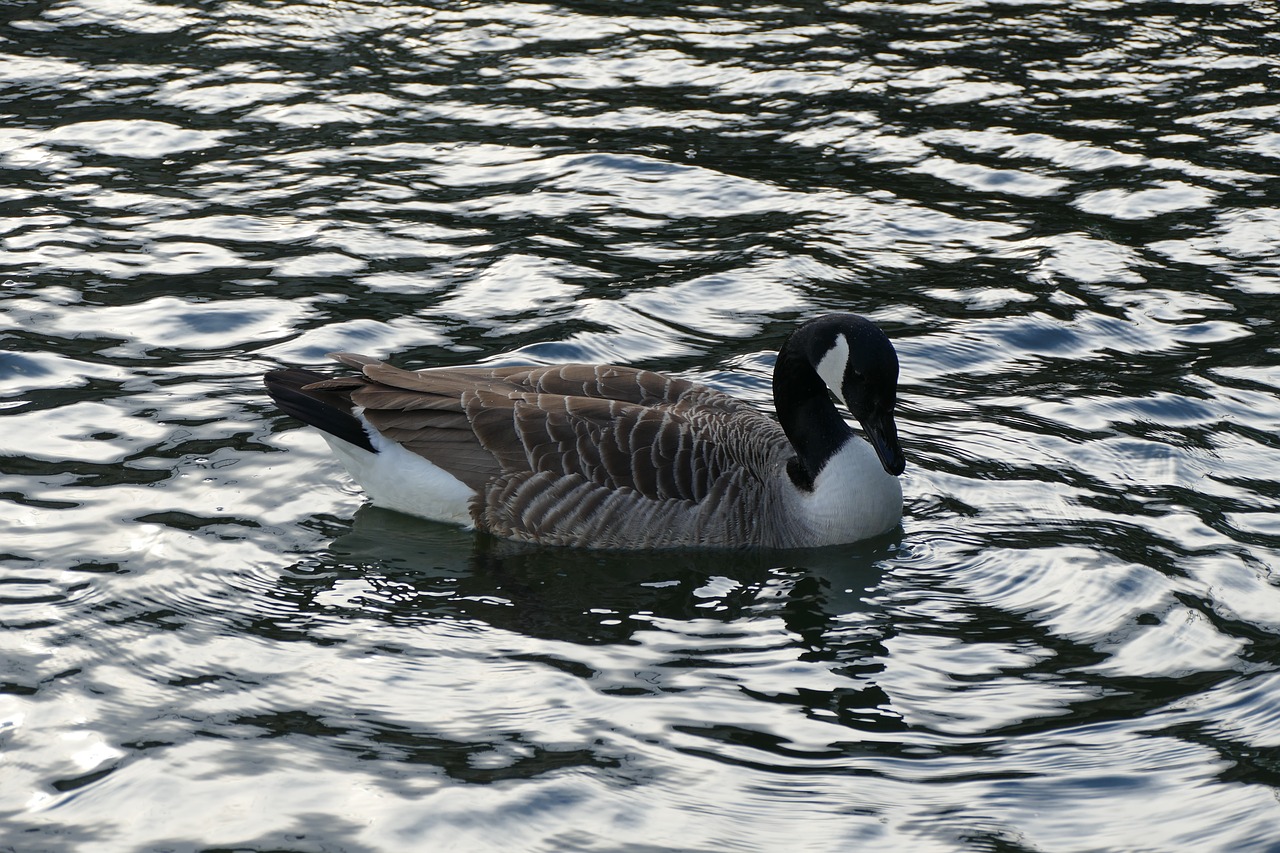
point(604, 456)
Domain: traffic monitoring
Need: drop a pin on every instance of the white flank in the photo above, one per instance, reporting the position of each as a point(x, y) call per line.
point(399, 479)
point(832, 367)
point(853, 497)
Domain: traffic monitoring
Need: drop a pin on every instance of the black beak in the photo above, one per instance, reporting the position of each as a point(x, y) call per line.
point(882, 432)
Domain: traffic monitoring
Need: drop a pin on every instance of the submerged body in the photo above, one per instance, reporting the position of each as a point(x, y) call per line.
point(612, 457)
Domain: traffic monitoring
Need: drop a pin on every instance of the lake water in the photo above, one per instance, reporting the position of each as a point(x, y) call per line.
point(1066, 216)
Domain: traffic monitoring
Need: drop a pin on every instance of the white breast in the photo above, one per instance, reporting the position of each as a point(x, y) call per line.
point(853, 497)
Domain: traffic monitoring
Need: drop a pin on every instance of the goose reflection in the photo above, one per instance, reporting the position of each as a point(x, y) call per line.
point(402, 571)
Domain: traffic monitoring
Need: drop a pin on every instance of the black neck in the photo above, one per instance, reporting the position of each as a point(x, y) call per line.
point(808, 417)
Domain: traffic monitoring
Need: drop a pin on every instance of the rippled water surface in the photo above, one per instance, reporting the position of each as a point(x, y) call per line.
point(1066, 215)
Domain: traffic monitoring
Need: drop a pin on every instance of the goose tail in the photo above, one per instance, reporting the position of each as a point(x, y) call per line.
point(326, 410)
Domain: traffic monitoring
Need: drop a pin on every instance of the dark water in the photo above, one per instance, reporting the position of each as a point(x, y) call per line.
point(1067, 216)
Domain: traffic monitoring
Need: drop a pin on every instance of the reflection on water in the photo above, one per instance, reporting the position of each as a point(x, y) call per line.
point(1062, 214)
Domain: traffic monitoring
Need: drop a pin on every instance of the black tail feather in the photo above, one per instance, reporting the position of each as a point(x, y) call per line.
point(324, 410)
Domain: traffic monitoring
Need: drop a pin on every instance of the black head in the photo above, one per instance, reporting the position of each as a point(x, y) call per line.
point(857, 363)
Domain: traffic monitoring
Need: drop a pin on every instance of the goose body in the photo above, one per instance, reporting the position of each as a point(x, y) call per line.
point(603, 456)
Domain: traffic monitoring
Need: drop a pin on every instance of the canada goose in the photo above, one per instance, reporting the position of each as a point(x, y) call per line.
point(613, 457)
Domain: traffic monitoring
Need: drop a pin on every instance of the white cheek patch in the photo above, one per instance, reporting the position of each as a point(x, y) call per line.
point(831, 368)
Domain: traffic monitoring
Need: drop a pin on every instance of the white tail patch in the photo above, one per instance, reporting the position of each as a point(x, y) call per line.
point(833, 365)
point(399, 479)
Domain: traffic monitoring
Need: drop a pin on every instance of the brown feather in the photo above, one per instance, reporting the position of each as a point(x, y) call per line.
point(556, 453)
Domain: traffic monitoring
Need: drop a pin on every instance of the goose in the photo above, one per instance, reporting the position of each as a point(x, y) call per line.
point(607, 457)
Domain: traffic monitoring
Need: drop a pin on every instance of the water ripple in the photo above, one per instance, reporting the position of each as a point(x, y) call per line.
point(1060, 213)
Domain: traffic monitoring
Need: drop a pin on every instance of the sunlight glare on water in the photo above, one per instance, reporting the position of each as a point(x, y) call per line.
point(1062, 214)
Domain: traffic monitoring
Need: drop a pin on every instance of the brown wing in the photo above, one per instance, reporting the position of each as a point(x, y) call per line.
point(614, 427)
point(652, 450)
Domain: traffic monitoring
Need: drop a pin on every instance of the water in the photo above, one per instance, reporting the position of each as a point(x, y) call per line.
point(1064, 214)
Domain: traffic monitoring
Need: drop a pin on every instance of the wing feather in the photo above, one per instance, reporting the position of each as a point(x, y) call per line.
point(569, 447)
